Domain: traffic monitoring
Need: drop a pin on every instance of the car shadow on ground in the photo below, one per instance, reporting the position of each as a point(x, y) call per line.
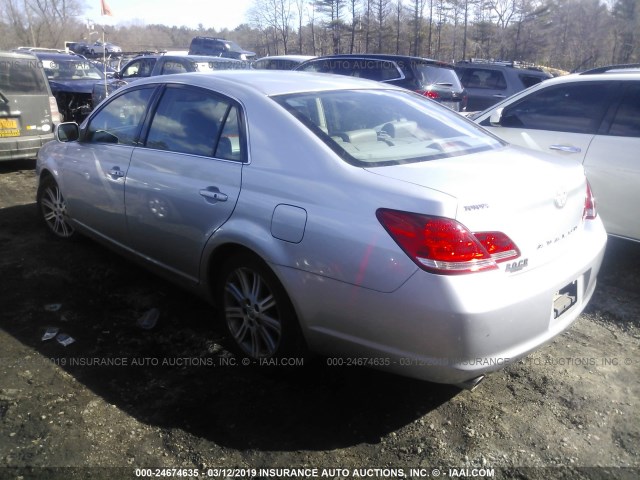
point(178, 373)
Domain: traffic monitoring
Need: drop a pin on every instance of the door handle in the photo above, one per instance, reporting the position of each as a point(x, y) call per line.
point(565, 148)
point(116, 172)
point(499, 95)
point(213, 193)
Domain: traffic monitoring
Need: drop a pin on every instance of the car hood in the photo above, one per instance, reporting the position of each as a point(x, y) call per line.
point(73, 86)
point(532, 197)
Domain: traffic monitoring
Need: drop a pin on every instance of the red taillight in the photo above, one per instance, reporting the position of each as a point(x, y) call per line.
point(590, 211)
point(429, 94)
point(443, 245)
point(55, 113)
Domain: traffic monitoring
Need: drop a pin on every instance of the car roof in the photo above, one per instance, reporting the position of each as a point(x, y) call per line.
point(267, 82)
point(593, 77)
point(23, 54)
point(61, 57)
point(286, 57)
point(385, 56)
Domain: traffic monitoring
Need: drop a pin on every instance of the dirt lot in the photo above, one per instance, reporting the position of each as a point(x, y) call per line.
point(121, 398)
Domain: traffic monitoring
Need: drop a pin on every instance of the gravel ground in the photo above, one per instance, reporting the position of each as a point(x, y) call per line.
point(121, 398)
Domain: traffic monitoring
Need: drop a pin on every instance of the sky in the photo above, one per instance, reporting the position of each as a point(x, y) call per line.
point(218, 14)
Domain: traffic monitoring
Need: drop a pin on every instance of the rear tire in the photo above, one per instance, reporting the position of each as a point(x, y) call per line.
point(52, 209)
point(257, 311)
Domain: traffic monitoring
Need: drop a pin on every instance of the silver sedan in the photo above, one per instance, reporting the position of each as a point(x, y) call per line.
point(333, 215)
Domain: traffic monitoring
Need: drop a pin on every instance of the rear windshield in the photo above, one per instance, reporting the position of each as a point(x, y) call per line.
point(21, 76)
point(432, 75)
point(386, 127)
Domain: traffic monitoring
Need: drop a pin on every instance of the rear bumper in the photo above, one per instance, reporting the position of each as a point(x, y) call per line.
point(17, 148)
point(446, 329)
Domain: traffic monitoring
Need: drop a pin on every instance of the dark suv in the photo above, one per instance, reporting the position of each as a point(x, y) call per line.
point(488, 83)
point(28, 111)
point(431, 78)
point(219, 47)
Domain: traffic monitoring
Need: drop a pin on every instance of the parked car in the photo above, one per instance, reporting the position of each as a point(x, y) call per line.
point(592, 118)
point(152, 65)
point(280, 62)
point(431, 78)
point(219, 47)
point(81, 48)
point(487, 83)
point(71, 79)
point(100, 48)
point(28, 110)
point(346, 217)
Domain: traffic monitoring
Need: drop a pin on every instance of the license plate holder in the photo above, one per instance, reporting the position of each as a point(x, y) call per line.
point(565, 298)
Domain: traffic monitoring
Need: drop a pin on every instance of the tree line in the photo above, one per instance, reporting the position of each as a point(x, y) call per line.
point(565, 34)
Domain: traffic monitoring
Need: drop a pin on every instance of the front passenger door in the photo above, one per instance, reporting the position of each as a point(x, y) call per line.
point(96, 166)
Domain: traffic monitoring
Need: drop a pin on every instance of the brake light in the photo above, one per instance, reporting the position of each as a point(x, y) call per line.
point(590, 211)
point(429, 94)
point(55, 113)
point(445, 246)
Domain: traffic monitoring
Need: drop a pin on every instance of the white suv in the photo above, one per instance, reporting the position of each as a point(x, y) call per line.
point(592, 117)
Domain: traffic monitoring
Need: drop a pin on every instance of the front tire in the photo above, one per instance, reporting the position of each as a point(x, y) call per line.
point(53, 209)
point(257, 311)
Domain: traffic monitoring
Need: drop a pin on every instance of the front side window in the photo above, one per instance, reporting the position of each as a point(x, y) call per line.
point(139, 68)
point(119, 121)
point(576, 107)
point(386, 127)
point(530, 80)
point(196, 122)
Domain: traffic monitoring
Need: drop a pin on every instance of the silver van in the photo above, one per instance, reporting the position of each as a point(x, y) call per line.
point(28, 110)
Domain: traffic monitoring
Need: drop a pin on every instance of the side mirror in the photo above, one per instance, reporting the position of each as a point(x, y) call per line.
point(496, 117)
point(67, 132)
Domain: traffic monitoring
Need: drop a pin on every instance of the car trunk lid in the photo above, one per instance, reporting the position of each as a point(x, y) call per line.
point(536, 200)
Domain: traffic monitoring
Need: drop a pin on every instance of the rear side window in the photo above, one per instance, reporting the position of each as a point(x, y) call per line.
point(371, 69)
point(484, 78)
point(21, 76)
point(196, 122)
point(577, 108)
point(626, 122)
point(530, 80)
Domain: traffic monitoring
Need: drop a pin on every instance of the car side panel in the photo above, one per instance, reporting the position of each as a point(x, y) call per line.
point(93, 176)
point(563, 144)
point(612, 165)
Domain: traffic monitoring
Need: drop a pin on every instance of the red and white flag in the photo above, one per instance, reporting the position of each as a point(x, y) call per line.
point(105, 9)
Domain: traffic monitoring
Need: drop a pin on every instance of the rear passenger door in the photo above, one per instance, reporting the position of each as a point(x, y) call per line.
point(485, 87)
point(612, 164)
point(184, 183)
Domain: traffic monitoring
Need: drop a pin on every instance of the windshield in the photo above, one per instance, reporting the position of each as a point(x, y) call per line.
point(386, 127)
point(71, 70)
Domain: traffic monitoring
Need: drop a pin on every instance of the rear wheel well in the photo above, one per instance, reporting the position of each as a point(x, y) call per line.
point(221, 254)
